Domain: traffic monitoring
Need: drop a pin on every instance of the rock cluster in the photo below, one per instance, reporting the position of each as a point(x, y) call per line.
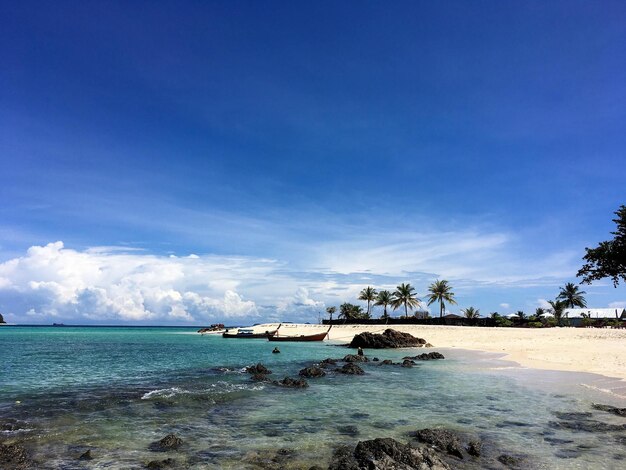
point(386, 454)
point(388, 339)
point(14, 456)
point(426, 356)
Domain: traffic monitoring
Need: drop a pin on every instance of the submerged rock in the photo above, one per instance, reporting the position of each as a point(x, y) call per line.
point(292, 383)
point(169, 442)
point(258, 369)
point(443, 439)
point(86, 455)
point(386, 362)
point(385, 454)
point(426, 356)
point(312, 372)
point(509, 460)
point(349, 430)
point(351, 369)
point(14, 456)
point(610, 409)
point(474, 448)
point(407, 363)
point(587, 425)
point(159, 464)
point(388, 339)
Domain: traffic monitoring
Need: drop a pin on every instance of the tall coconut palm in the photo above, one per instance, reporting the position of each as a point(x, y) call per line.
point(572, 296)
point(349, 311)
point(405, 295)
point(331, 311)
point(558, 309)
point(441, 291)
point(471, 313)
point(384, 298)
point(369, 294)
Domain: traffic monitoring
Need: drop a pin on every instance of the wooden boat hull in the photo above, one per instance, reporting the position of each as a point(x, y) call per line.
point(303, 338)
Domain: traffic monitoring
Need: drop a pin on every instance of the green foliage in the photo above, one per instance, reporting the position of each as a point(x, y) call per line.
point(535, 324)
point(608, 259)
point(440, 291)
point(572, 296)
point(350, 311)
point(471, 313)
point(551, 322)
point(501, 321)
point(368, 294)
point(521, 315)
point(384, 298)
point(558, 310)
point(405, 295)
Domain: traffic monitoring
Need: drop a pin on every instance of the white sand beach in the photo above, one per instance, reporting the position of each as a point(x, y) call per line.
point(595, 350)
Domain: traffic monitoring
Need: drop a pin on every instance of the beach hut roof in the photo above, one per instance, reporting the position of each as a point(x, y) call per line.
point(593, 312)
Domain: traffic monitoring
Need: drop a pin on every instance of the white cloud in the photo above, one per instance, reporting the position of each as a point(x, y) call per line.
point(619, 304)
point(505, 305)
point(110, 284)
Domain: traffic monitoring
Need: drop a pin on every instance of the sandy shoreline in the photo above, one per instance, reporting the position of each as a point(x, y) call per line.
point(594, 350)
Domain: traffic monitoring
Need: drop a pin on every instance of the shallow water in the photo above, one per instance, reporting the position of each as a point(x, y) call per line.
point(116, 390)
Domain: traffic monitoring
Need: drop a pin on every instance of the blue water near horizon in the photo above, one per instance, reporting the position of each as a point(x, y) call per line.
point(117, 389)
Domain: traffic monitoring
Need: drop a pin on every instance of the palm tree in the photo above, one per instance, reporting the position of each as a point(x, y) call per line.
point(521, 315)
point(384, 298)
point(331, 311)
point(558, 308)
point(572, 296)
point(369, 294)
point(540, 312)
point(405, 295)
point(471, 313)
point(349, 311)
point(441, 291)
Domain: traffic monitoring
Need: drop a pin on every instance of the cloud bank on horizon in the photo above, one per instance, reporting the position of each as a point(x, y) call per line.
point(121, 285)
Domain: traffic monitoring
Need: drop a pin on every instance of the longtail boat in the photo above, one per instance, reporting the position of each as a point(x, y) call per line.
point(249, 333)
point(315, 337)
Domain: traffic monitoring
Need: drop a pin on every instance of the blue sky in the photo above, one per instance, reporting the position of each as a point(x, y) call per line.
point(301, 151)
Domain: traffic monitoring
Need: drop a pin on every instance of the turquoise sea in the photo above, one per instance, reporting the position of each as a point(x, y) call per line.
point(64, 390)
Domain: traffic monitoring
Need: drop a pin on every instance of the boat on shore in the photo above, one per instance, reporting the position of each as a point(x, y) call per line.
point(249, 334)
point(302, 338)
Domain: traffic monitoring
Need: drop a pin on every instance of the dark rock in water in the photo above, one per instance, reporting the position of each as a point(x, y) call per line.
point(329, 360)
point(587, 425)
point(292, 383)
point(572, 415)
point(610, 409)
point(555, 441)
point(269, 459)
point(351, 369)
point(14, 456)
point(407, 363)
point(355, 358)
point(312, 372)
point(258, 369)
point(474, 448)
point(567, 453)
point(388, 339)
point(387, 362)
point(86, 456)
point(316, 467)
point(260, 378)
point(375, 359)
point(349, 430)
point(509, 460)
point(159, 464)
point(443, 439)
point(359, 415)
point(385, 454)
point(169, 442)
point(426, 356)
